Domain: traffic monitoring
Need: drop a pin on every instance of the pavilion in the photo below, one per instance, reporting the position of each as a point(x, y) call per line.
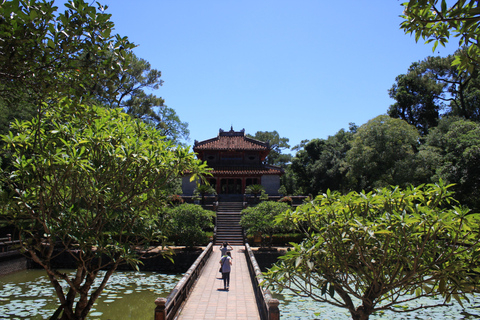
point(237, 162)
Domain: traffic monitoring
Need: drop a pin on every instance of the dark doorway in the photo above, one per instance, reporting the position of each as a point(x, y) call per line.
point(230, 186)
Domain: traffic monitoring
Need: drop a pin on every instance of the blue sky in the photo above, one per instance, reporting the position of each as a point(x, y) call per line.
point(305, 68)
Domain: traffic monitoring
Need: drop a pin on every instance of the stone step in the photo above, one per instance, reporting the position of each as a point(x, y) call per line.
point(230, 240)
point(233, 221)
point(230, 235)
point(228, 227)
point(227, 224)
point(229, 231)
point(220, 213)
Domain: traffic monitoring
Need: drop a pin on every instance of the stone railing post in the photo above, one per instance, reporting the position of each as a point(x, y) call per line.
point(160, 310)
point(273, 311)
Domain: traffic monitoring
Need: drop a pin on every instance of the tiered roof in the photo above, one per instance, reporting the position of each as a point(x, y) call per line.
point(232, 141)
point(236, 141)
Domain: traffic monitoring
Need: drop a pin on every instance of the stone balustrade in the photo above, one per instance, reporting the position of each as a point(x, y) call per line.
point(267, 305)
point(167, 308)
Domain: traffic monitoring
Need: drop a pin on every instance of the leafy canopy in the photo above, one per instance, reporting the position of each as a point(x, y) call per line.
point(432, 89)
point(381, 153)
point(374, 251)
point(52, 54)
point(89, 178)
point(438, 20)
point(254, 189)
point(261, 219)
point(453, 150)
point(277, 144)
point(187, 223)
point(319, 164)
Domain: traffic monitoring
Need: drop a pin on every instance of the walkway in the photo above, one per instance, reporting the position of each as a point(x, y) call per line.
point(209, 301)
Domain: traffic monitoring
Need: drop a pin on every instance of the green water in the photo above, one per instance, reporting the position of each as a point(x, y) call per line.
point(128, 295)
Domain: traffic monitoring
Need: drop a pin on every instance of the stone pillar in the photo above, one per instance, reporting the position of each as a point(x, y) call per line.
point(160, 310)
point(273, 311)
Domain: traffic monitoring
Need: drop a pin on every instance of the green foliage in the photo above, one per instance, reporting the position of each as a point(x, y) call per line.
point(202, 190)
point(131, 96)
point(187, 224)
point(205, 189)
point(261, 219)
point(175, 199)
point(263, 196)
point(254, 189)
point(319, 164)
point(289, 180)
point(418, 98)
point(282, 190)
point(453, 149)
point(287, 200)
point(382, 153)
point(433, 88)
point(91, 179)
point(377, 247)
point(277, 144)
point(49, 54)
point(436, 21)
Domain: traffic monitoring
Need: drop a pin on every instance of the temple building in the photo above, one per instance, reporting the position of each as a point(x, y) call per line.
point(237, 162)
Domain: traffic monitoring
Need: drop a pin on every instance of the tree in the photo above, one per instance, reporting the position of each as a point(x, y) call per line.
point(382, 153)
point(277, 144)
point(261, 219)
point(289, 181)
point(455, 154)
point(254, 189)
point(203, 190)
point(187, 224)
point(418, 98)
point(435, 21)
point(431, 89)
point(45, 55)
point(320, 164)
point(375, 251)
point(130, 94)
point(48, 54)
point(87, 181)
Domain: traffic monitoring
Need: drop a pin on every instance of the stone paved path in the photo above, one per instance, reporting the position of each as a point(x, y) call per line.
point(208, 300)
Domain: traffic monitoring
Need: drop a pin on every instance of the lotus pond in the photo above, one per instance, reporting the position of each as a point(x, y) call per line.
point(129, 295)
point(293, 307)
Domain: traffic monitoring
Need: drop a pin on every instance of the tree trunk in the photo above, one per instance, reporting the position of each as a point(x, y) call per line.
point(361, 313)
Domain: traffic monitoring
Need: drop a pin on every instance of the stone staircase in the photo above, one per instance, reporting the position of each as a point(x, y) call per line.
point(228, 218)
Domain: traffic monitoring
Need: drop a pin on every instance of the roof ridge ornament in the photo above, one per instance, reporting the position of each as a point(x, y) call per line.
point(231, 133)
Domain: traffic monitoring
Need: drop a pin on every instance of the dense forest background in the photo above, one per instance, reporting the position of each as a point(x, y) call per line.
point(430, 132)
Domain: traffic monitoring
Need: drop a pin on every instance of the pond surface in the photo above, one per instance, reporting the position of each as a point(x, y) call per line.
point(295, 308)
point(128, 295)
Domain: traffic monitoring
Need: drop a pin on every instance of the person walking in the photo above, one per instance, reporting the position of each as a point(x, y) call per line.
point(224, 249)
point(226, 263)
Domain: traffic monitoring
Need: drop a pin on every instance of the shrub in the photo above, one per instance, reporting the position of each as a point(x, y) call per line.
point(176, 199)
point(367, 251)
point(187, 224)
point(263, 196)
point(254, 189)
point(287, 200)
point(203, 190)
point(261, 218)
